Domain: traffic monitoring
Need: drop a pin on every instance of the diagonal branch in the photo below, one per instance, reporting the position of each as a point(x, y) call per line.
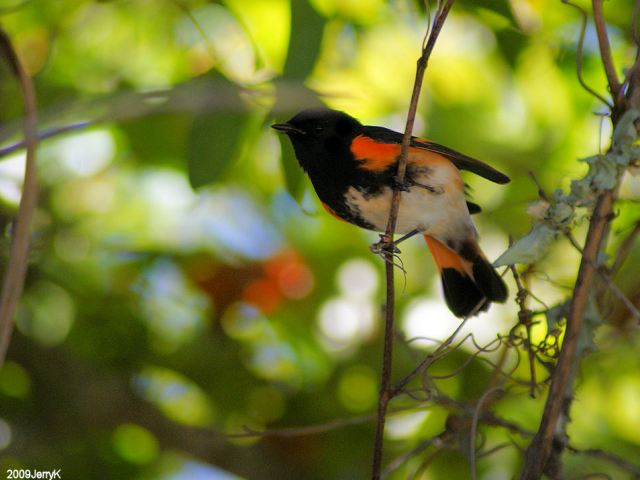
point(17, 265)
point(538, 458)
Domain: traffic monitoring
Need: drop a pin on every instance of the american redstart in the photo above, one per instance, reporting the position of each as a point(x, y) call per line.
point(353, 170)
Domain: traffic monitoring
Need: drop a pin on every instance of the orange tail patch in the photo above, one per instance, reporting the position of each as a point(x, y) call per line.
point(445, 257)
point(469, 285)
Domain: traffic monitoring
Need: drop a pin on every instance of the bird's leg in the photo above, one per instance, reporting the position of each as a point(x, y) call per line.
point(382, 245)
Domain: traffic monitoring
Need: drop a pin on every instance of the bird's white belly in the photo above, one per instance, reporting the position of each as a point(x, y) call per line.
point(440, 214)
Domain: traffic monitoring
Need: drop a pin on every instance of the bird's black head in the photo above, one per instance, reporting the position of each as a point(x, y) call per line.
point(320, 136)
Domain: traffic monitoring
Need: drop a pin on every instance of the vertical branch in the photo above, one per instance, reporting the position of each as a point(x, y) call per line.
point(385, 384)
point(17, 265)
point(538, 458)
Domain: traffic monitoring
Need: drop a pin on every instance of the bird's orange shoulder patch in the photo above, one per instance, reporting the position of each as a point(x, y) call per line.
point(374, 155)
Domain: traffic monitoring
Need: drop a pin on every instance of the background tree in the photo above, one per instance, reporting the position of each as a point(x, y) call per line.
point(189, 311)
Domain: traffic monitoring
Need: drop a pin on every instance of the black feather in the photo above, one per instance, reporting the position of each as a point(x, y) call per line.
point(461, 293)
point(473, 207)
point(460, 160)
point(488, 281)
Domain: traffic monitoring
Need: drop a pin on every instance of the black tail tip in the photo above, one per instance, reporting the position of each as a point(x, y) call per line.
point(462, 295)
point(489, 282)
point(467, 296)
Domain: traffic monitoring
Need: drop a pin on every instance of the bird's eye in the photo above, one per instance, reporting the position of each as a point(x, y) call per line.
point(318, 129)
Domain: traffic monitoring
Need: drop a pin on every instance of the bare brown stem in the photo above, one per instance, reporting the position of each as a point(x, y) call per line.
point(385, 384)
point(605, 52)
point(17, 265)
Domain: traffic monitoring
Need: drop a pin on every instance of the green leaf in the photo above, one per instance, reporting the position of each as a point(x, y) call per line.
point(603, 172)
point(500, 7)
point(590, 323)
point(511, 43)
point(293, 173)
point(214, 142)
point(169, 132)
point(530, 248)
point(560, 213)
point(305, 39)
point(307, 27)
point(556, 316)
point(625, 132)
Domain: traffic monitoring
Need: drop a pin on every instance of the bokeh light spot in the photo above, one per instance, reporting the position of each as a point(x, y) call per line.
point(358, 278)
point(14, 380)
point(47, 313)
point(263, 294)
point(293, 278)
point(175, 395)
point(83, 154)
point(265, 404)
point(357, 389)
point(429, 319)
point(5, 434)
point(243, 321)
point(135, 444)
point(345, 323)
point(404, 425)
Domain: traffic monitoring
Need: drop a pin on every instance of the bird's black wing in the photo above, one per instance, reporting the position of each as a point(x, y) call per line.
point(460, 160)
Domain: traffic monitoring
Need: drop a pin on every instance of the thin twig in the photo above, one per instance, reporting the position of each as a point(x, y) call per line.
point(314, 429)
point(201, 31)
point(402, 459)
point(52, 132)
point(17, 265)
point(385, 384)
point(525, 318)
point(604, 275)
point(610, 284)
point(605, 52)
point(427, 461)
point(429, 359)
point(611, 458)
point(579, 54)
point(473, 429)
point(625, 249)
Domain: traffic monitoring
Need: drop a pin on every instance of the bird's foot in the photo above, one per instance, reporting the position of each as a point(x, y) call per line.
point(384, 245)
point(401, 185)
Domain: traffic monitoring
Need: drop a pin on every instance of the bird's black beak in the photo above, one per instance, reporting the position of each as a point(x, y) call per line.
point(287, 128)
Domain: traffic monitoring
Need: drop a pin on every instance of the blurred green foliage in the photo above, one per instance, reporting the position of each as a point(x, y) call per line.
point(185, 284)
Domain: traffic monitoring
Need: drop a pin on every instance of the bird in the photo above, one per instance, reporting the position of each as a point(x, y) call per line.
point(353, 167)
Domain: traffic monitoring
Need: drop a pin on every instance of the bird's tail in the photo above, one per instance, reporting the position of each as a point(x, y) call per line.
point(469, 281)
